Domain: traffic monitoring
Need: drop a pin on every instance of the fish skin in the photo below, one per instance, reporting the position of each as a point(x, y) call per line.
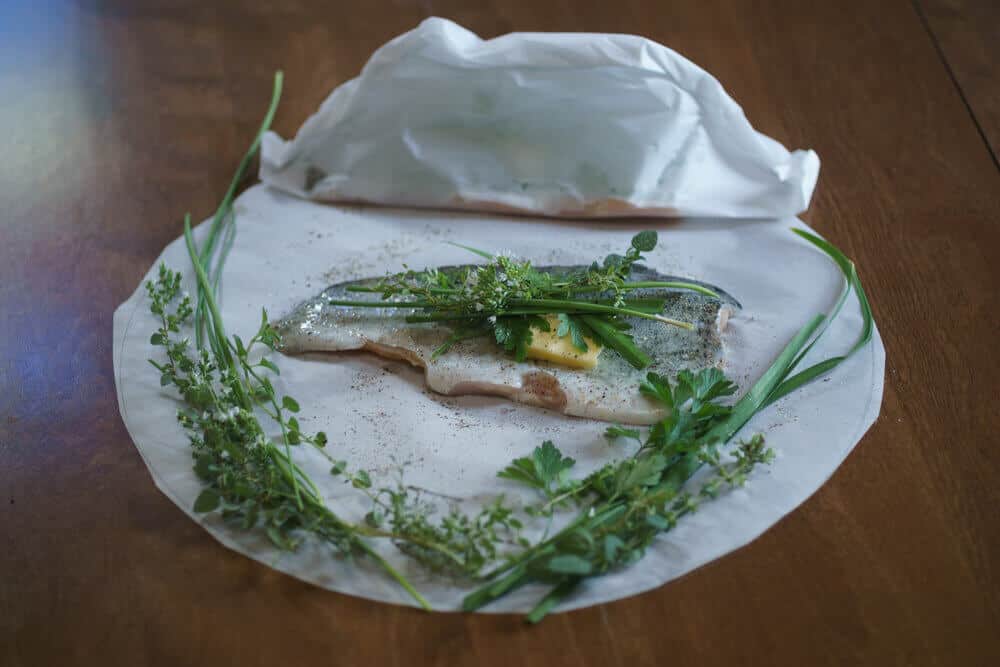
point(608, 392)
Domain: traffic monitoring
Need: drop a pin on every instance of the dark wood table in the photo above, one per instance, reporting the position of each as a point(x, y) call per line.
point(119, 116)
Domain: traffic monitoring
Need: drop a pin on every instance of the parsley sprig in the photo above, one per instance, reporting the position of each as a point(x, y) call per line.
point(508, 298)
point(624, 505)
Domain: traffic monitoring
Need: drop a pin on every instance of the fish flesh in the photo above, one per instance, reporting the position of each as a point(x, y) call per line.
point(607, 392)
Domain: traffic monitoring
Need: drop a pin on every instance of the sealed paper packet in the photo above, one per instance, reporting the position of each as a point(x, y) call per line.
point(576, 125)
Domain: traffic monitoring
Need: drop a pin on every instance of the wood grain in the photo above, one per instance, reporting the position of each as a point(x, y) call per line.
point(967, 33)
point(121, 115)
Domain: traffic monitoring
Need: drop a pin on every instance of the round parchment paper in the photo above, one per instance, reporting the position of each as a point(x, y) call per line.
point(378, 415)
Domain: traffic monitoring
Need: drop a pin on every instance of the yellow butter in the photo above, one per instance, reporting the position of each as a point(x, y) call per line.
point(548, 346)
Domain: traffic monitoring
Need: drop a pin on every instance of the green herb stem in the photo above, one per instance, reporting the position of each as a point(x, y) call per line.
point(566, 305)
point(495, 590)
point(221, 213)
point(517, 306)
point(380, 290)
point(387, 304)
point(454, 317)
point(646, 284)
point(561, 288)
point(395, 574)
point(369, 531)
point(553, 598)
point(617, 340)
point(223, 356)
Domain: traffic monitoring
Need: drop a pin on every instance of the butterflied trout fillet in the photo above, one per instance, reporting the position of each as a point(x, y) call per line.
point(608, 392)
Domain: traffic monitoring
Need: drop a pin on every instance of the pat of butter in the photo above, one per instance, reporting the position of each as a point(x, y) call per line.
point(549, 346)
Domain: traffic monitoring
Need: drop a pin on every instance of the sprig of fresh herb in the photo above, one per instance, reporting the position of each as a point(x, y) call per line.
point(251, 479)
point(546, 470)
point(626, 504)
point(458, 544)
point(510, 298)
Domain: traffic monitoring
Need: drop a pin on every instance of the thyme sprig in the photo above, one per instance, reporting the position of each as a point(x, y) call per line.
point(251, 479)
point(508, 298)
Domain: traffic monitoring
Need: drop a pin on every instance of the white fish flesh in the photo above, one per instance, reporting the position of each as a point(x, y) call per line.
point(607, 392)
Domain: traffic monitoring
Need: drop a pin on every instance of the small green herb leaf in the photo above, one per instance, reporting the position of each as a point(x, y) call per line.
point(610, 335)
point(641, 472)
point(514, 333)
point(569, 564)
point(644, 241)
point(657, 388)
point(617, 431)
point(546, 469)
point(241, 349)
point(571, 326)
point(206, 501)
point(612, 546)
point(204, 468)
point(361, 480)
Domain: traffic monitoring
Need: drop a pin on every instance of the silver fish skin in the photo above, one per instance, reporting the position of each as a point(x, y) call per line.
point(608, 392)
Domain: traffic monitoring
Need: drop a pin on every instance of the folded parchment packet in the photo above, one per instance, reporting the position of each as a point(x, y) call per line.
point(581, 125)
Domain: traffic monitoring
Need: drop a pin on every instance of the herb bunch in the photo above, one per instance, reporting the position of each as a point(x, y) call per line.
point(251, 479)
point(623, 506)
point(248, 476)
point(507, 299)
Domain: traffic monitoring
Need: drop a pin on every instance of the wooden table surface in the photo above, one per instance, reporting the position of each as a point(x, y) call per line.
point(118, 116)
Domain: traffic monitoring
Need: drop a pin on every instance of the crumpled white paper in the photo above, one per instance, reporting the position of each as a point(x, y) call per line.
point(379, 416)
point(582, 125)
